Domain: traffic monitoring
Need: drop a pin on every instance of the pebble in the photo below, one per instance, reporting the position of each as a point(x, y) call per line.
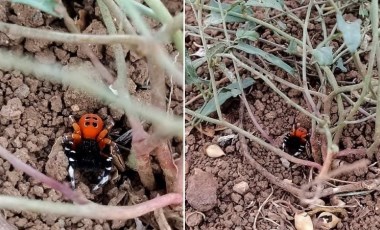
point(241, 187)
point(201, 190)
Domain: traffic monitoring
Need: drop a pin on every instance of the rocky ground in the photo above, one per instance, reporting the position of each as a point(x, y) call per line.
point(34, 116)
point(226, 192)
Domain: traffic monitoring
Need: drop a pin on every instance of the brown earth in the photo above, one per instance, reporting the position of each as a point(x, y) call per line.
point(34, 116)
point(235, 208)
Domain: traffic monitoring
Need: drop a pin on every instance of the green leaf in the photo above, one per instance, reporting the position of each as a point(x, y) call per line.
point(292, 48)
point(232, 90)
point(198, 62)
point(275, 4)
point(191, 74)
point(351, 32)
point(47, 6)
point(339, 64)
point(245, 83)
point(215, 17)
point(250, 35)
point(216, 49)
point(363, 12)
point(267, 56)
point(323, 55)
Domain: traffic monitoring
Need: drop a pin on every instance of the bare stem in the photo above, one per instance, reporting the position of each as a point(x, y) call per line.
point(63, 188)
point(117, 49)
point(89, 210)
point(169, 125)
point(304, 55)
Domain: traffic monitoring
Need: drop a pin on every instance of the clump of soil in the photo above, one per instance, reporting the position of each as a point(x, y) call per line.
point(237, 208)
point(34, 116)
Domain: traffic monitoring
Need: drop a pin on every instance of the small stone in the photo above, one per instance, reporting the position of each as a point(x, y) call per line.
point(13, 177)
point(238, 208)
point(10, 131)
point(22, 92)
point(32, 83)
point(17, 142)
point(32, 147)
point(13, 110)
point(37, 190)
point(56, 103)
point(75, 108)
point(4, 142)
point(271, 115)
point(235, 197)
point(241, 187)
point(259, 106)
point(194, 219)
point(285, 162)
point(201, 190)
point(21, 222)
point(15, 82)
point(42, 140)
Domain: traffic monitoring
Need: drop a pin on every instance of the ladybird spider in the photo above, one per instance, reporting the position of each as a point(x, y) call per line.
point(296, 141)
point(89, 147)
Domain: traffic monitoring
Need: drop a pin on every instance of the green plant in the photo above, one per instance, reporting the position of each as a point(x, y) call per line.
point(240, 43)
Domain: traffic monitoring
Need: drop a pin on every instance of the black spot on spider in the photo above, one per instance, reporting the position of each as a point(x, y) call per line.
point(86, 123)
point(95, 124)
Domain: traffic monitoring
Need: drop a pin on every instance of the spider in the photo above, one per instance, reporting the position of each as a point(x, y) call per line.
point(296, 141)
point(89, 147)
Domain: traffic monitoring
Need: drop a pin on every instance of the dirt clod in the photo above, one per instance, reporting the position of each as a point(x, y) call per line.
point(194, 219)
point(56, 103)
point(13, 110)
point(201, 190)
point(241, 187)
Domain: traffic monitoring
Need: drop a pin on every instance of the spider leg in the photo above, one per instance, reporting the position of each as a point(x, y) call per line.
point(107, 162)
point(105, 175)
point(67, 143)
point(125, 138)
point(286, 138)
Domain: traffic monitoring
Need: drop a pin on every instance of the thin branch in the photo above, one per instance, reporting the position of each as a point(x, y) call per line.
point(147, 46)
point(117, 49)
point(119, 16)
point(164, 17)
point(209, 65)
point(304, 55)
point(348, 152)
point(170, 125)
point(89, 210)
point(67, 192)
point(43, 34)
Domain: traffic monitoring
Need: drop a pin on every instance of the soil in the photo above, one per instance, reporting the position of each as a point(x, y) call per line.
point(235, 206)
point(34, 116)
